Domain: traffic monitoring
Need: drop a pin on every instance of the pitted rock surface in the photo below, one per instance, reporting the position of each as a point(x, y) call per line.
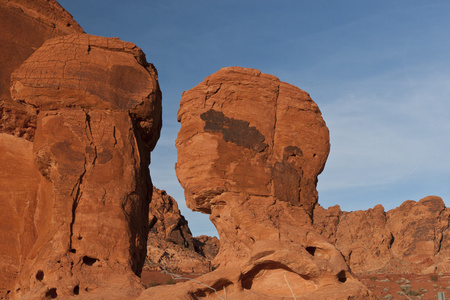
point(250, 148)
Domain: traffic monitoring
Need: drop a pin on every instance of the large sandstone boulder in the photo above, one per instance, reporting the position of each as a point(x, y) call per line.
point(249, 152)
point(412, 238)
point(85, 210)
point(25, 26)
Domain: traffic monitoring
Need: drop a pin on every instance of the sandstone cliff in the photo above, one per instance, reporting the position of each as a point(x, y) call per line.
point(412, 238)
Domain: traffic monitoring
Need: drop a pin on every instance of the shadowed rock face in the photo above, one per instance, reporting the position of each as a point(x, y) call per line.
point(98, 109)
point(411, 238)
point(170, 244)
point(250, 148)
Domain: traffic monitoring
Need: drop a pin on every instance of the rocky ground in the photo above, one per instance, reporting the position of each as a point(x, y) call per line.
point(407, 286)
point(383, 286)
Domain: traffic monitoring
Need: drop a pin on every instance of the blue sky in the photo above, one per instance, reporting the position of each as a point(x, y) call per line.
point(379, 71)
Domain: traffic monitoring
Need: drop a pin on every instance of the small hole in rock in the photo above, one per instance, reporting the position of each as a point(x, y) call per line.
point(89, 260)
point(341, 276)
point(40, 275)
point(51, 293)
point(73, 250)
point(199, 293)
point(76, 290)
point(80, 237)
point(311, 250)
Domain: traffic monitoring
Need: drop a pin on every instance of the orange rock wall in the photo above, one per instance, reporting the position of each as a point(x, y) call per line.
point(411, 238)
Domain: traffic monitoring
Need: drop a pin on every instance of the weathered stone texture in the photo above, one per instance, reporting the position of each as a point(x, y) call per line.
point(25, 26)
point(250, 148)
point(98, 110)
point(170, 244)
point(411, 238)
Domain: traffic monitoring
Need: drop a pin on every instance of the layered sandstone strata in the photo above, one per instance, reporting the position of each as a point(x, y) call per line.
point(412, 238)
point(84, 214)
point(249, 152)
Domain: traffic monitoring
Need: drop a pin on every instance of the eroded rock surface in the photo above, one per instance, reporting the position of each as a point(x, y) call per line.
point(249, 152)
point(25, 26)
point(412, 238)
point(170, 245)
point(98, 108)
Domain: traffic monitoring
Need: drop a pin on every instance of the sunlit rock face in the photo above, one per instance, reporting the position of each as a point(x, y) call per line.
point(250, 148)
point(25, 26)
point(409, 239)
point(98, 116)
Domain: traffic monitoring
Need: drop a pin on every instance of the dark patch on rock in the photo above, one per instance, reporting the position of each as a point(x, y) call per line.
point(286, 179)
point(104, 156)
point(233, 130)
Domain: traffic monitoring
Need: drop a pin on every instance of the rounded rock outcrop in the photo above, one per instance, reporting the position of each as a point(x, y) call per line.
point(250, 148)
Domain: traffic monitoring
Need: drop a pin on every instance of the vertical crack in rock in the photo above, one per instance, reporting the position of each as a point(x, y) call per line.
point(276, 118)
point(90, 137)
point(76, 199)
point(114, 135)
point(441, 231)
point(77, 187)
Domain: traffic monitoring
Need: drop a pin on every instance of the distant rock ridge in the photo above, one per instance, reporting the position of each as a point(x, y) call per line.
point(412, 238)
point(171, 246)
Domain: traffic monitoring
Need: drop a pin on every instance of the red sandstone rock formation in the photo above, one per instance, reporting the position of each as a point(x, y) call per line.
point(412, 238)
point(25, 26)
point(85, 211)
point(249, 152)
point(207, 246)
point(170, 244)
